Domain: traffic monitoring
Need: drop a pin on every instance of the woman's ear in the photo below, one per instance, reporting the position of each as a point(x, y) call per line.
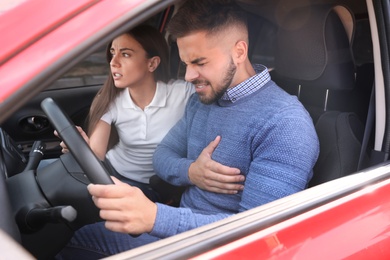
point(153, 63)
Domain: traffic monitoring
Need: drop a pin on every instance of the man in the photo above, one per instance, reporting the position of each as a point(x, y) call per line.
point(260, 142)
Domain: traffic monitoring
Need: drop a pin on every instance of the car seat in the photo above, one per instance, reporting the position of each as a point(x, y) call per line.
point(314, 61)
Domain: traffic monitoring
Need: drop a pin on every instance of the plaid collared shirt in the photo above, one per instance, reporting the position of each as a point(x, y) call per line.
point(248, 86)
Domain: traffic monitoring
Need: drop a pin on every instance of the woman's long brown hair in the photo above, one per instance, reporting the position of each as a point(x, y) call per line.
point(154, 44)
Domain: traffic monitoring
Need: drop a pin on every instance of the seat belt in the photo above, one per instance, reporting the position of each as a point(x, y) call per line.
point(368, 128)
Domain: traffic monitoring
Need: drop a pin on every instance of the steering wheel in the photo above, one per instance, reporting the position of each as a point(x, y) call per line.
point(89, 163)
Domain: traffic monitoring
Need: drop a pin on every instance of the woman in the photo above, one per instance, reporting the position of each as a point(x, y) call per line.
point(141, 104)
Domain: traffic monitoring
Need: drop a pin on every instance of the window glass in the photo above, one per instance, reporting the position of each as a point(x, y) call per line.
point(91, 71)
point(94, 69)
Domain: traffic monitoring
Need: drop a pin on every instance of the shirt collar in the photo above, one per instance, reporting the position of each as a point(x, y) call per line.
point(248, 86)
point(159, 99)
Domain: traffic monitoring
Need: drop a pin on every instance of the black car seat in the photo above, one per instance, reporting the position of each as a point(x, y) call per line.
point(314, 61)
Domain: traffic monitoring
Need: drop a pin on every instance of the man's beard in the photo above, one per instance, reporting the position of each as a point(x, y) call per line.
point(217, 92)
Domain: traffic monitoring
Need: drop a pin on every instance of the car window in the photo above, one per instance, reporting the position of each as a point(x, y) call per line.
point(91, 71)
point(94, 69)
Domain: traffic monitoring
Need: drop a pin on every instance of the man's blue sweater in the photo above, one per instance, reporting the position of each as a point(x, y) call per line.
point(268, 135)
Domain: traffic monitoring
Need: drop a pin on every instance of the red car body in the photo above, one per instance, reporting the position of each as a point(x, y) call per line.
point(343, 219)
point(40, 41)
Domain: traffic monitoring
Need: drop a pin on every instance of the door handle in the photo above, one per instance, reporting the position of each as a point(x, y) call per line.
point(35, 123)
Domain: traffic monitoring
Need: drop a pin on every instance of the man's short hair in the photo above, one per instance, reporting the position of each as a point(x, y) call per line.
point(211, 16)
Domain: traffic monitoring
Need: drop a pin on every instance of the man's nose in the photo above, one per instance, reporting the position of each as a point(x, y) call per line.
point(191, 74)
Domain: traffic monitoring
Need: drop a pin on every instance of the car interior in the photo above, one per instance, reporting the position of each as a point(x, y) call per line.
point(321, 53)
point(325, 81)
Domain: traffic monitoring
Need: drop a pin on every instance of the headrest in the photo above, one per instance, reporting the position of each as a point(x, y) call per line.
point(313, 47)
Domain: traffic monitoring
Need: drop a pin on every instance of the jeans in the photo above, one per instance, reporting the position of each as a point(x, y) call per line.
point(46, 162)
point(95, 241)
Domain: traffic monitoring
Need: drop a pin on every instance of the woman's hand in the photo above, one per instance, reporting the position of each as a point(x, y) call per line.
point(63, 145)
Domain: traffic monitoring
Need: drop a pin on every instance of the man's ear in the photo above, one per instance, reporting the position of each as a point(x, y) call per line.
point(153, 63)
point(241, 51)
